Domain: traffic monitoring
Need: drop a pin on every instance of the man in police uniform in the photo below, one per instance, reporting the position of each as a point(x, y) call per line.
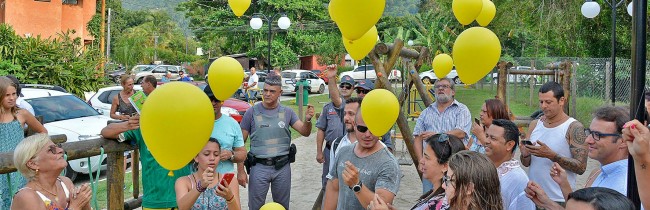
point(267, 124)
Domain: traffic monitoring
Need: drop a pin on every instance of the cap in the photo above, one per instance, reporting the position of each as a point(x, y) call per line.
point(365, 84)
point(347, 79)
point(208, 91)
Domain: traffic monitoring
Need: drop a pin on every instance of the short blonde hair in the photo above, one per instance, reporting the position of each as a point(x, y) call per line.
point(26, 150)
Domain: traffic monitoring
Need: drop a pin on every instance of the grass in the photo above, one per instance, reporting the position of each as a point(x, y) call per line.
point(128, 195)
point(317, 101)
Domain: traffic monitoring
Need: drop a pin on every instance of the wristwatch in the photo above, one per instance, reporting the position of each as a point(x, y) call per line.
point(357, 188)
point(232, 157)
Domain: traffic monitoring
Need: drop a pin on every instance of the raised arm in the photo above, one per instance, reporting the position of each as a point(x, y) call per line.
point(525, 154)
point(113, 130)
point(335, 95)
point(304, 127)
point(578, 162)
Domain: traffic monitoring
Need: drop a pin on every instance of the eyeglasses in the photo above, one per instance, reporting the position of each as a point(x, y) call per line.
point(447, 180)
point(362, 91)
point(362, 128)
point(597, 135)
point(442, 86)
point(345, 86)
point(52, 149)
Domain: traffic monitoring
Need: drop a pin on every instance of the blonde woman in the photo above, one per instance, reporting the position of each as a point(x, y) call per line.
point(12, 122)
point(41, 161)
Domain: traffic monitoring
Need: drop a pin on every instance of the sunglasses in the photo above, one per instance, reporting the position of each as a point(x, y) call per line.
point(214, 99)
point(362, 128)
point(345, 86)
point(447, 180)
point(362, 91)
point(597, 135)
point(53, 148)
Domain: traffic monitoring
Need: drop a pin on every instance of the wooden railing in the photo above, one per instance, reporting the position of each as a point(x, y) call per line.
point(115, 169)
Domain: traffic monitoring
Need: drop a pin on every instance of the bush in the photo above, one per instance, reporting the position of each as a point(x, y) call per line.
point(341, 69)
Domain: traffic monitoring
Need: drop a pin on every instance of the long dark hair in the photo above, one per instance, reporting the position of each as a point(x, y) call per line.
point(444, 146)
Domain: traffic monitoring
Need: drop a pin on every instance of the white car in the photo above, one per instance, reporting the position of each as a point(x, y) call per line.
point(368, 72)
point(158, 71)
point(430, 77)
point(515, 78)
point(64, 113)
point(103, 99)
point(290, 77)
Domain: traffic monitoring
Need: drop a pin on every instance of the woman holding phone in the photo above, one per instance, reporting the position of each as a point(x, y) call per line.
point(206, 188)
point(492, 109)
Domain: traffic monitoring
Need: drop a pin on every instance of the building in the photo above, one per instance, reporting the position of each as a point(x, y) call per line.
point(47, 18)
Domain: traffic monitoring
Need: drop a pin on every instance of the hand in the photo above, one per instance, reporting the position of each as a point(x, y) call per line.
point(208, 177)
point(541, 151)
point(350, 174)
point(379, 204)
point(319, 157)
point(537, 195)
point(425, 135)
point(637, 137)
point(242, 177)
point(559, 174)
point(133, 122)
point(226, 154)
point(309, 113)
point(523, 149)
point(331, 71)
point(80, 197)
point(477, 129)
point(224, 191)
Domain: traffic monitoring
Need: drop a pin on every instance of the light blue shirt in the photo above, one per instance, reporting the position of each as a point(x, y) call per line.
point(456, 116)
point(613, 176)
point(227, 131)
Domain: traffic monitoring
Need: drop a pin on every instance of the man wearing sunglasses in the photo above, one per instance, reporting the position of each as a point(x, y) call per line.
point(446, 115)
point(361, 171)
point(607, 146)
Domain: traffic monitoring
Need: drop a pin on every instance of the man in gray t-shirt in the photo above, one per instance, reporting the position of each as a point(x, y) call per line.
point(362, 170)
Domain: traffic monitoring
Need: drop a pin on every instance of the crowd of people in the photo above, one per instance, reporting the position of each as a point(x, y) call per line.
point(465, 163)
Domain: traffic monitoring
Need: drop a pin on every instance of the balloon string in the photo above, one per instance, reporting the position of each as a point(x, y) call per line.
point(171, 173)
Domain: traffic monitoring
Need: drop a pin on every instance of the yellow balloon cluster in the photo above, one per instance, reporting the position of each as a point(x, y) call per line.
point(476, 51)
point(225, 76)
point(171, 105)
point(239, 7)
point(353, 23)
point(359, 48)
point(442, 65)
point(379, 110)
point(466, 11)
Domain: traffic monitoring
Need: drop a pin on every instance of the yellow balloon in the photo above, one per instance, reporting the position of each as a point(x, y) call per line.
point(379, 110)
point(359, 48)
point(466, 11)
point(239, 7)
point(272, 206)
point(225, 76)
point(353, 23)
point(170, 106)
point(442, 65)
point(487, 13)
point(476, 51)
point(332, 15)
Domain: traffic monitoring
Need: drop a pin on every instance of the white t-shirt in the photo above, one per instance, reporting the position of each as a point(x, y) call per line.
point(253, 79)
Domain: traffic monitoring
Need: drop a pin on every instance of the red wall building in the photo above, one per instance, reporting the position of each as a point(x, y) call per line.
point(48, 17)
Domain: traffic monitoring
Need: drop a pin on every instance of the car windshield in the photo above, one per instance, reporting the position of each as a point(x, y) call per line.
point(290, 75)
point(142, 68)
point(57, 108)
point(365, 68)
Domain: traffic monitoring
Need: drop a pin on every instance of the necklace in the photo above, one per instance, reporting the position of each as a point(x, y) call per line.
point(561, 119)
point(56, 197)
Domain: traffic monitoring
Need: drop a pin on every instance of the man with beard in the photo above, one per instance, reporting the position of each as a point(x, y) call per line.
point(446, 115)
point(361, 171)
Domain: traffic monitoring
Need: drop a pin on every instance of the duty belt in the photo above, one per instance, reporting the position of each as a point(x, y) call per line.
point(272, 161)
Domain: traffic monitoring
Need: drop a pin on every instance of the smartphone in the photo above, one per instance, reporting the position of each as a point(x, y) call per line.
point(527, 142)
point(477, 121)
point(225, 181)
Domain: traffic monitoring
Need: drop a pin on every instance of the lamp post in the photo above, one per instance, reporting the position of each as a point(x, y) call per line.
point(590, 9)
point(256, 23)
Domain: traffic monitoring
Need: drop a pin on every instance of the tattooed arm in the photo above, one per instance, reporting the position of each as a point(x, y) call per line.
point(577, 163)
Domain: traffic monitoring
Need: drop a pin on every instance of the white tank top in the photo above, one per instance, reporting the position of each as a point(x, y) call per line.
point(539, 171)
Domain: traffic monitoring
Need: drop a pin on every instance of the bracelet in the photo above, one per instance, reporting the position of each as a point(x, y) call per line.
point(199, 188)
point(230, 200)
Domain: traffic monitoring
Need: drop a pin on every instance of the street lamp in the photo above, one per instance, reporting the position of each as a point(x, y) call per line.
point(257, 22)
point(590, 9)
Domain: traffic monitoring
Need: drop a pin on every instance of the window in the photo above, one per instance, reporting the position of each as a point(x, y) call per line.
point(71, 2)
point(58, 108)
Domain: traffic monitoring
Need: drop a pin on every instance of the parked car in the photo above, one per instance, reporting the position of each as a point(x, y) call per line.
point(430, 77)
point(368, 72)
point(116, 74)
point(515, 78)
point(103, 99)
point(290, 77)
point(321, 74)
point(260, 84)
point(158, 71)
point(64, 113)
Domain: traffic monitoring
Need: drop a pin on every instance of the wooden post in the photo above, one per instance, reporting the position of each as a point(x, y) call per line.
point(574, 94)
point(532, 79)
point(135, 169)
point(566, 83)
point(608, 82)
point(501, 85)
point(116, 184)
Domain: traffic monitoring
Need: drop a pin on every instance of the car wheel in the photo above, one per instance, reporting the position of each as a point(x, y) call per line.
point(426, 80)
point(457, 80)
point(70, 173)
point(140, 80)
point(321, 89)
